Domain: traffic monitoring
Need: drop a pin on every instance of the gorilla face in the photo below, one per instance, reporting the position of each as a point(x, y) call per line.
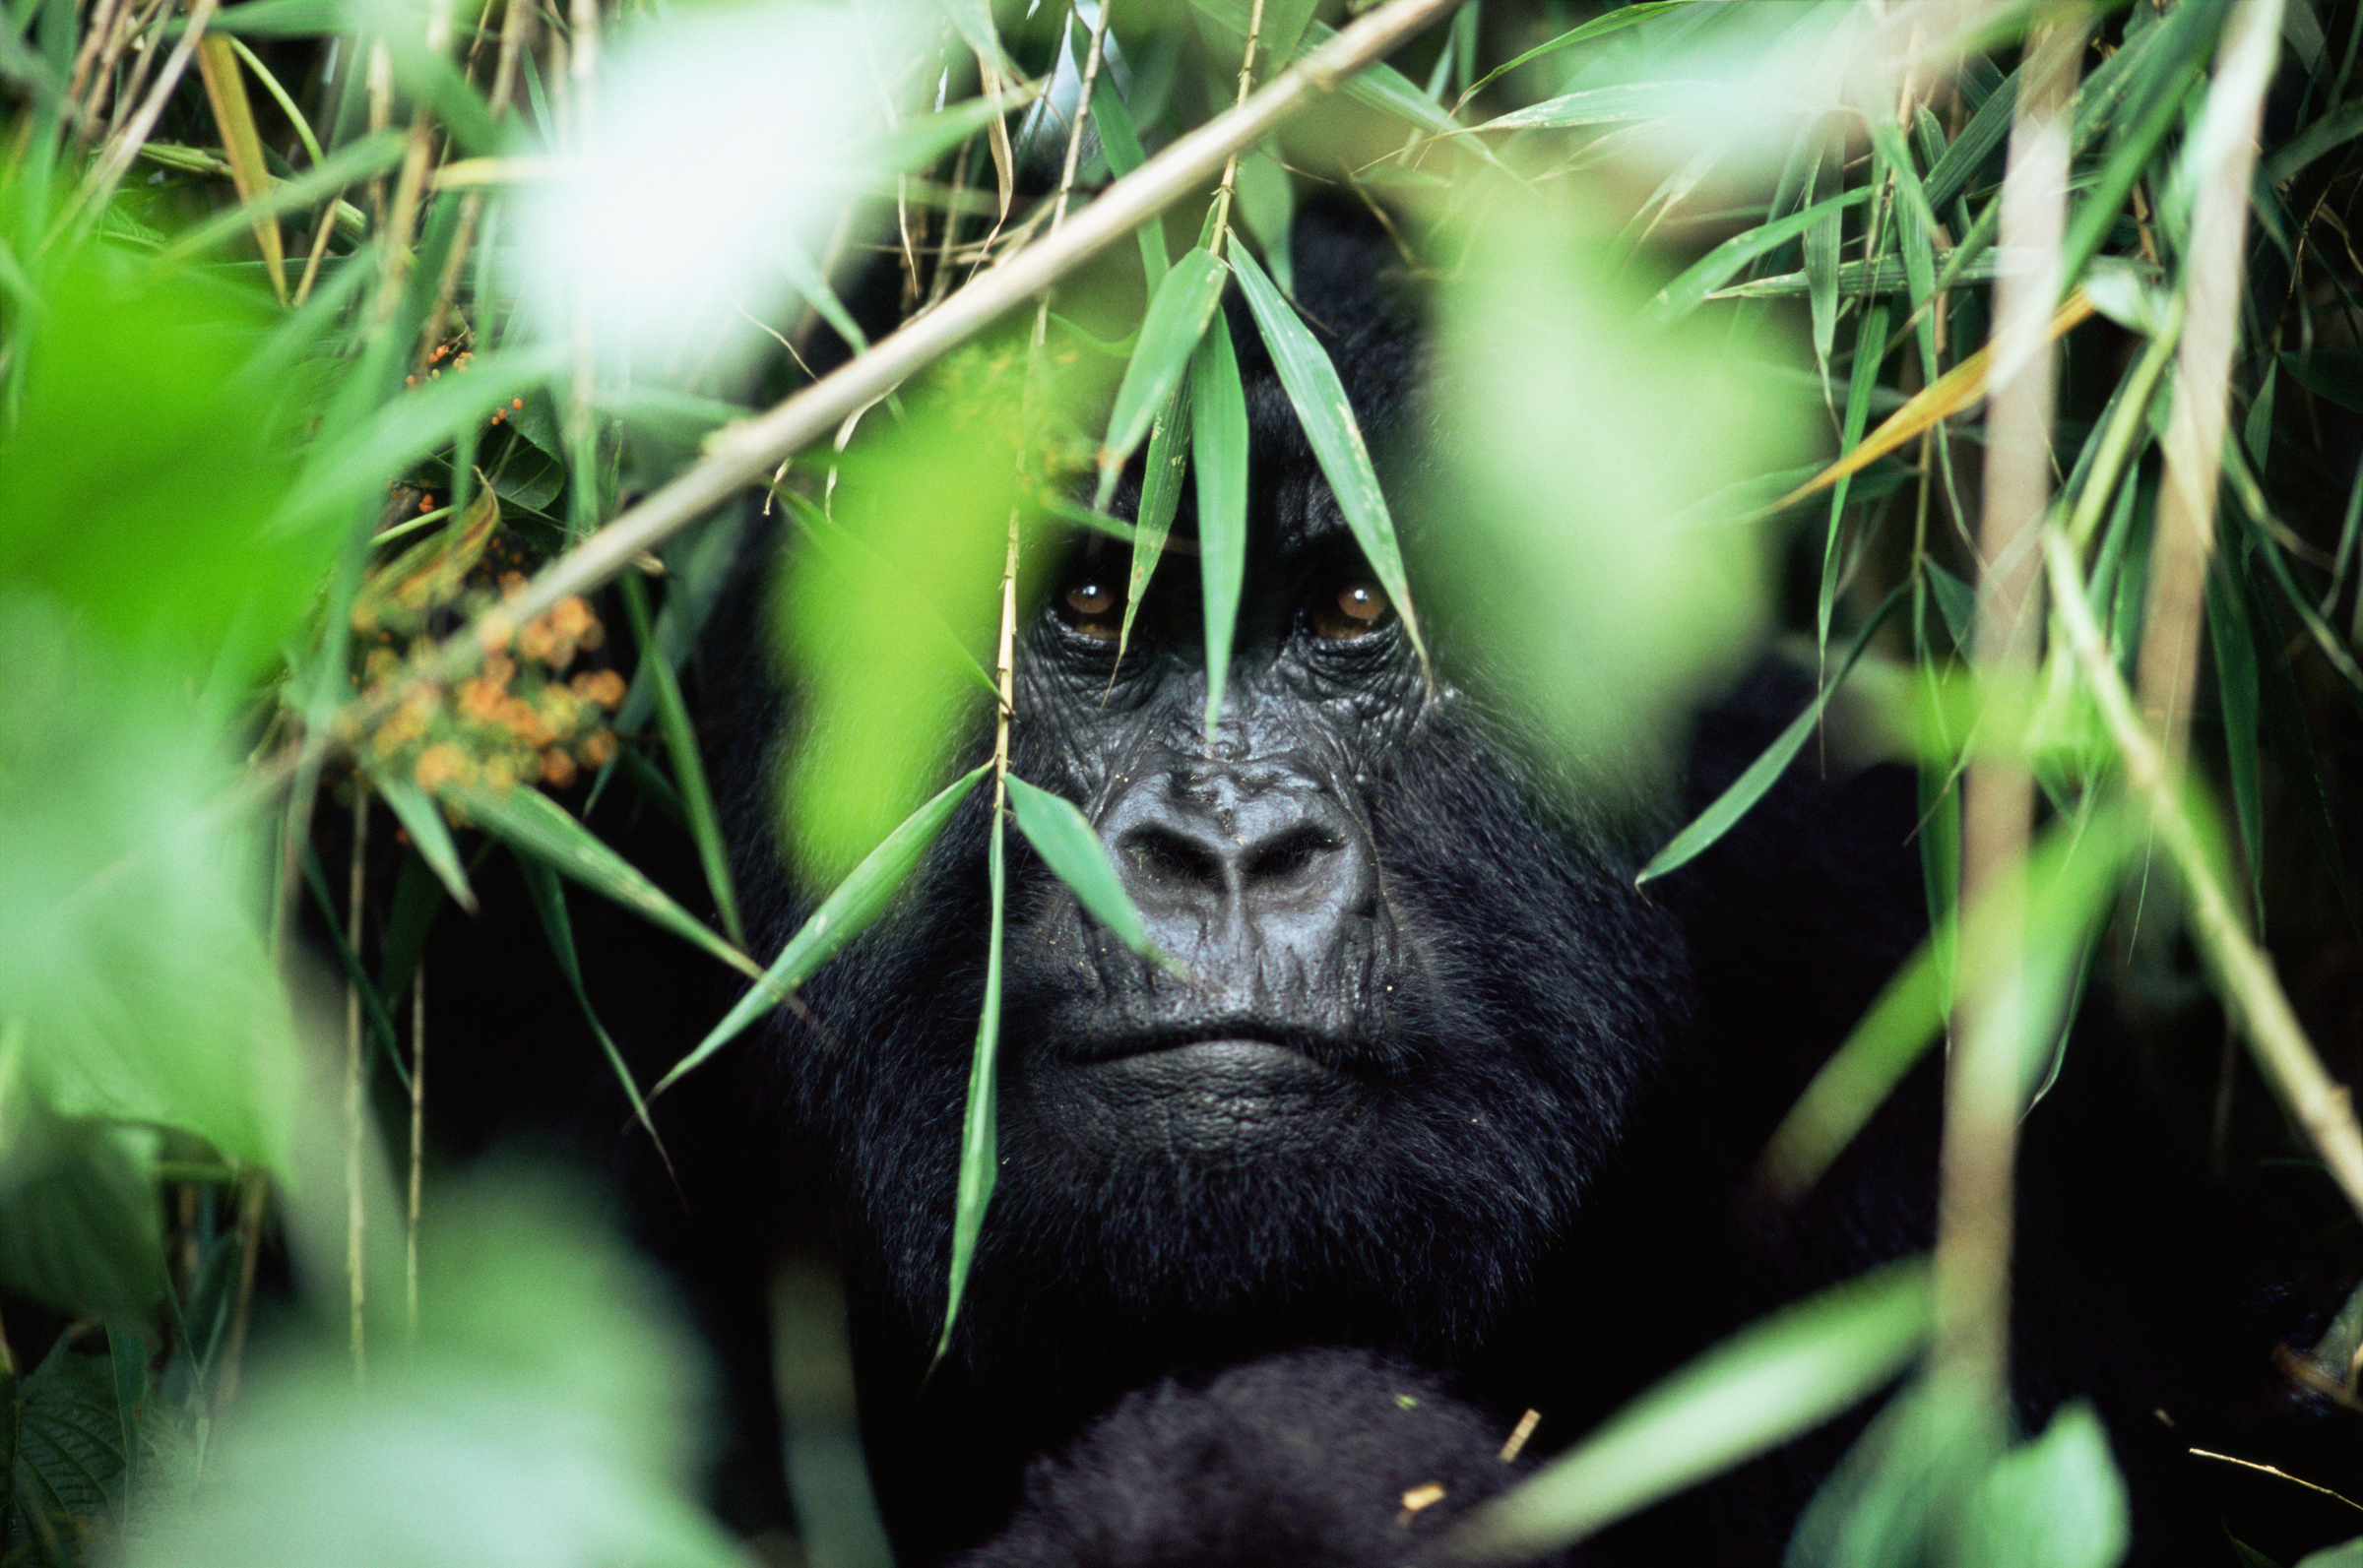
point(1418, 1002)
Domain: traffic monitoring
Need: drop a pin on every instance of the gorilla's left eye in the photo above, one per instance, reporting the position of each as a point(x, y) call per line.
point(1091, 604)
point(1356, 608)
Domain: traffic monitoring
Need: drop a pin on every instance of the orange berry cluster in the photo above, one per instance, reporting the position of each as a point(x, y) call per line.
point(521, 717)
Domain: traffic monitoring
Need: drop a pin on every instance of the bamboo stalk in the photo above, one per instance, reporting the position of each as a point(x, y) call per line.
point(2224, 156)
point(1982, 1093)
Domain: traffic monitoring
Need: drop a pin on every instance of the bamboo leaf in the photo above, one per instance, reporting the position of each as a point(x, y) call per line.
point(1121, 143)
point(548, 898)
point(1617, 104)
point(1778, 1377)
point(1750, 786)
point(1718, 266)
point(1070, 846)
point(1160, 496)
point(1599, 27)
point(418, 815)
point(530, 822)
point(1218, 438)
point(1176, 319)
point(688, 767)
point(1329, 424)
point(849, 909)
point(980, 1160)
point(2067, 881)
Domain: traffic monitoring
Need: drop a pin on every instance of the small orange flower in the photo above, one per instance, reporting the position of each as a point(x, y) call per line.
point(602, 686)
point(557, 768)
point(571, 616)
point(597, 748)
point(439, 765)
point(536, 640)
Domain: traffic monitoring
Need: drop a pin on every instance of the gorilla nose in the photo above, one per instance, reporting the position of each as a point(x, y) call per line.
point(1274, 865)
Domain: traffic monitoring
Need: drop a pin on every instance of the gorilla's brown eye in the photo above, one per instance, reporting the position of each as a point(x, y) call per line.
point(1357, 609)
point(1090, 605)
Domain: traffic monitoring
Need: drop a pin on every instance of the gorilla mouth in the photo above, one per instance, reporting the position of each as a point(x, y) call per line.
point(1228, 1045)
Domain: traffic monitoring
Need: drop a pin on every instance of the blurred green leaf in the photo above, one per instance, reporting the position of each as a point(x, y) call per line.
point(85, 1231)
point(1218, 435)
point(1168, 333)
point(1599, 27)
point(1319, 399)
point(844, 915)
point(2057, 1501)
point(2346, 1554)
point(2064, 885)
point(1070, 846)
point(132, 886)
point(1778, 1377)
point(548, 1415)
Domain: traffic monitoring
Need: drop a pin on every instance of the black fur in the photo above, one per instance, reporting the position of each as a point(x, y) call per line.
point(1510, 1171)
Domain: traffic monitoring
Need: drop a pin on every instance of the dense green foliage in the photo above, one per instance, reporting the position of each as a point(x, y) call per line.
point(379, 383)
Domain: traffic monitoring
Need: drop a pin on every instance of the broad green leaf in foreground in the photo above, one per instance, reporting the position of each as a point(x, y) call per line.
point(1068, 844)
point(1329, 425)
point(842, 915)
point(1772, 1380)
point(1176, 319)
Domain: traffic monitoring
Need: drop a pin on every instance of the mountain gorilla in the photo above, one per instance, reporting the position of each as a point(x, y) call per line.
point(1447, 1121)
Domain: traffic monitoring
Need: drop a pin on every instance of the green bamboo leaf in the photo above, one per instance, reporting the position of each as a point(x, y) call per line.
point(373, 1006)
point(1160, 496)
point(1121, 143)
point(849, 910)
point(418, 814)
point(1070, 846)
point(1382, 87)
point(548, 898)
point(1619, 104)
point(1870, 343)
point(1718, 266)
point(1748, 788)
point(688, 767)
point(1176, 320)
point(2237, 691)
point(1976, 144)
point(1598, 27)
point(2065, 883)
point(1780, 1376)
point(528, 821)
point(1822, 286)
point(348, 165)
point(1329, 425)
point(2132, 148)
point(1218, 438)
point(980, 1160)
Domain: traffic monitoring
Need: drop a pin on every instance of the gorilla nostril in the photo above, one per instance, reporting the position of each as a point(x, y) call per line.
point(1162, 858)
point(1291, 855)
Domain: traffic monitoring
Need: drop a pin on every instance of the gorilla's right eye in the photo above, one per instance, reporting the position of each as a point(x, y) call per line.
point(1092, 605)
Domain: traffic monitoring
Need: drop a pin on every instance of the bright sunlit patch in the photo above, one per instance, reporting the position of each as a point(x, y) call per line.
point(717, 159)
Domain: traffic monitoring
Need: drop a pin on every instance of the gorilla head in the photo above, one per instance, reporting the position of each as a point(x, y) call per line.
point(1415, 1002)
